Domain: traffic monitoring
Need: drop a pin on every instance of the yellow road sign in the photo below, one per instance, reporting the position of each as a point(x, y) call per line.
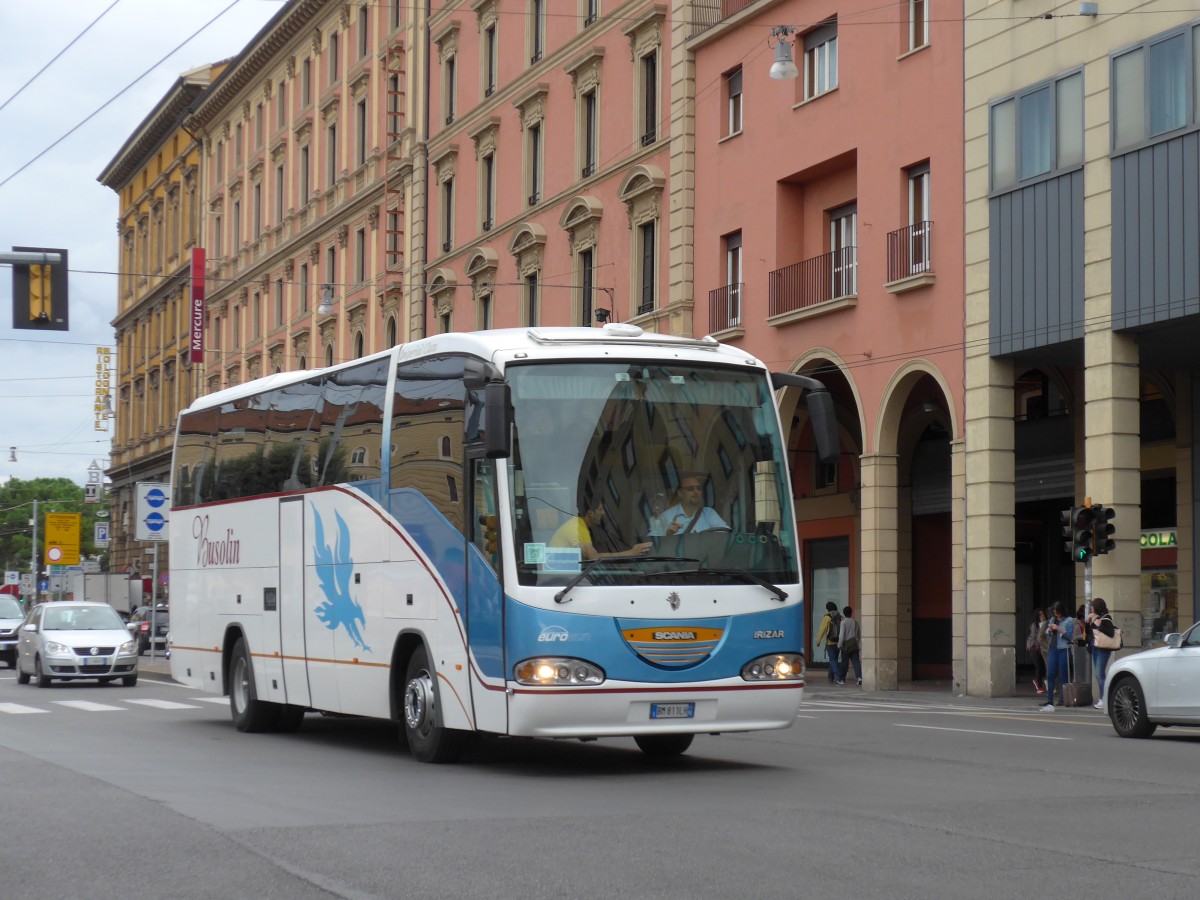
point(62, 539)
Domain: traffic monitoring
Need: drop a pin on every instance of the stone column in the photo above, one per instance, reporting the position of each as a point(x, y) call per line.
point(958, 569)
point(879, 591)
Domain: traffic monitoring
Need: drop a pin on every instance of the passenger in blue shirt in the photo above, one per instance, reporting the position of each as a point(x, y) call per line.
point(1058, 630)
point(689, 514)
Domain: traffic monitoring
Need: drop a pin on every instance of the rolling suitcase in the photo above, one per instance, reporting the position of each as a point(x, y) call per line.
point(1078, 689)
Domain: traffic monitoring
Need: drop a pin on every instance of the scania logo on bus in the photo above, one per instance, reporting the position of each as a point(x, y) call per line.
point(675, 635)
point(224, 551)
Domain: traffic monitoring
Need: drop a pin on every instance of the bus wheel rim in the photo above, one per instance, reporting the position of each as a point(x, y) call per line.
point(418, 703)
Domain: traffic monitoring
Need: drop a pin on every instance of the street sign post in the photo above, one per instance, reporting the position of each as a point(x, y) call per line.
point(152, 512)
point(62, 539)
point(100, 534)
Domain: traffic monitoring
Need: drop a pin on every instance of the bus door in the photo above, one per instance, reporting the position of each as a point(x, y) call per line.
point(291, 600)
point(485, 596)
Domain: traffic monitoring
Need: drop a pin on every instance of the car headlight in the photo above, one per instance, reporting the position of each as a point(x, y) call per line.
point(556, 670)
point(775, 667)
point(54, 648)
point(128, 647)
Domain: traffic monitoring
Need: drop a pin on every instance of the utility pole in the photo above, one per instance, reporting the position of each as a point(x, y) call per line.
point(33, 555)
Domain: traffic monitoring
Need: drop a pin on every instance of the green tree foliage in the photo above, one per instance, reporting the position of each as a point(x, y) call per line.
point(53, 495)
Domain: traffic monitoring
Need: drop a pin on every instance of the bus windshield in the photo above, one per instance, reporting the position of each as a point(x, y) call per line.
point(685, 457)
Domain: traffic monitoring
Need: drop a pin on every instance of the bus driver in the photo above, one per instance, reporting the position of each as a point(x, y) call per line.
point(690, 514)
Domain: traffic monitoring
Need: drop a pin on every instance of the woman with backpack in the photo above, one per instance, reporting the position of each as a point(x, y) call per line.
point(1101, 620)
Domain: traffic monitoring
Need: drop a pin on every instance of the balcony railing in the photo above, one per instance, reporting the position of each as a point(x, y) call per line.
point(725, 307)
point(707, 13)
point(909, 251)
point(813, 281)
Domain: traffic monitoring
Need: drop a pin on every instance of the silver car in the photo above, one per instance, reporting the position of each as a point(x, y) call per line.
point(11, 615)
point(75, 639)
point(1156, 687)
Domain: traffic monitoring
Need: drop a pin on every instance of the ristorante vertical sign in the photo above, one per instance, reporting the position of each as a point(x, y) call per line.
point(197, 342)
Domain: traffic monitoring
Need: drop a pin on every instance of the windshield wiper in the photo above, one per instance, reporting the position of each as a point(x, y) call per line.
point(561, 596)
point(780, 593)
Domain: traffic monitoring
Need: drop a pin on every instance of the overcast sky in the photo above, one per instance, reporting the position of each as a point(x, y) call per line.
point(47, 381)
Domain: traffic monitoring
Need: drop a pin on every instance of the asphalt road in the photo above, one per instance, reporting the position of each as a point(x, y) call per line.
point(149, 791)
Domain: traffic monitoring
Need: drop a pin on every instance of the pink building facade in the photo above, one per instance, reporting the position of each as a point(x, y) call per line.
point(828, 241)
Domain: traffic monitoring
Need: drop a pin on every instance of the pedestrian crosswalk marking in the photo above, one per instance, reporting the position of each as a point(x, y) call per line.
point(89, 706)
point(163, 704)
point(16, 709)
point(221, 700)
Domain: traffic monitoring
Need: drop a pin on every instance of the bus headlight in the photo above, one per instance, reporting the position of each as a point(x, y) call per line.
point(775, 667)
point(556, 670)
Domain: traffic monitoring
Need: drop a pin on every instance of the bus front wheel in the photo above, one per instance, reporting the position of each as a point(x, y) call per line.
point(249, 713)
point(427, 740)
point(663, 745)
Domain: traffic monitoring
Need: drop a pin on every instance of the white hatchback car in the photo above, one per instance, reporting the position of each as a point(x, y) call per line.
point(71, 639)
point(11, 615)
point(1156, 687)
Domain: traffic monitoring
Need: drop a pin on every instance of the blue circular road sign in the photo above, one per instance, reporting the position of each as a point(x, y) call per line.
point(155, 498)
point(155, 521)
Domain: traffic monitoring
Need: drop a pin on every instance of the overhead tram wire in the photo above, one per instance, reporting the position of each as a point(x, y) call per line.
point(58, 55)
point(120, 93)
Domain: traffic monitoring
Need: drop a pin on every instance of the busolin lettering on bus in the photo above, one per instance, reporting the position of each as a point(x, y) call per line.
point(224, 552)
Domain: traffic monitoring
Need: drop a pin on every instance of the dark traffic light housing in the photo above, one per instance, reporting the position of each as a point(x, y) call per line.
point(1082, 533)
point(1103, 529)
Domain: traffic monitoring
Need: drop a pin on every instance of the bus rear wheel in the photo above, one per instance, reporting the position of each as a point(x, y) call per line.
point(427, 740)
point(660, 746)
point(249, 713)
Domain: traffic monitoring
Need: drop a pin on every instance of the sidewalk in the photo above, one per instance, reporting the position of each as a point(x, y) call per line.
point(156, 668)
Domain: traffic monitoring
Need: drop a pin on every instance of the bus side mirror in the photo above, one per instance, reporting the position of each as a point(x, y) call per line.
point(820, 408)
point(497, 420)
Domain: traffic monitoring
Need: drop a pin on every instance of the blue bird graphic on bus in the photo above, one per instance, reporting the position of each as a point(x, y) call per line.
point(333, 571)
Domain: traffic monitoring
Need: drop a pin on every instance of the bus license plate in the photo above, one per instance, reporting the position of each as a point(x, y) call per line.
point(672, 710)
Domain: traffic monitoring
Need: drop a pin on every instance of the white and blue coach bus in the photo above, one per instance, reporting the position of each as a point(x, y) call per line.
point(383, 538)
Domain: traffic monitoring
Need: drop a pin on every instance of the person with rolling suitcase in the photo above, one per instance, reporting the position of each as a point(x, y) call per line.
point(1058, 629)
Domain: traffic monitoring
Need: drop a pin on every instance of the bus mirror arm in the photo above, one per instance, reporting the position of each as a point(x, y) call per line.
point(497, 420)
point(820, 409)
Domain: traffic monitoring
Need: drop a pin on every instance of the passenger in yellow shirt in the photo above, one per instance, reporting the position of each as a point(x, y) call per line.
point(577, 532)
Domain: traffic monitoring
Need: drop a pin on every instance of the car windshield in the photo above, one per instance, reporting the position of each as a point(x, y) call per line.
point(83, 618)
point(10, 608)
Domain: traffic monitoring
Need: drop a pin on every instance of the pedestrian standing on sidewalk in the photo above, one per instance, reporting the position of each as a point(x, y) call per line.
point(828, 634)
point(1033, 644)
point(1059, 632)
point(1101, 621)
point(849, 638)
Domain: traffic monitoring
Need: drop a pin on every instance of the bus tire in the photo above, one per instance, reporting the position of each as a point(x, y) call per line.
point(289, 718)
point(427, 739)
point(249, 714)
point(660, 746)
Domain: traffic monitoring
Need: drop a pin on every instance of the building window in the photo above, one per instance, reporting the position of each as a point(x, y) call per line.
point(587, 272)
point(281, 105)
point(820, 60)
point(1156, 87)
point(256, 317)
point(360, 127)
point(590, 134)
point(843, 250)
point(487, 191)
point(238, 131)
point(918, 23)
point(215, 332)
point(279, 191)
point(733, 279)
point(648, 99)
point(306, 82)
point(531, 299)
point(393, 239)
point(395, 17)
point(258, 127)
point(331, 153)
point(257, 210)
point(278, 302)
point(236, 326)
point(920, 217)
point(591, 12)
point(360, 256)
point(533, 149)
point(218, 238)
point(363, 35)
point(1038, 131)
point(490, 60)
point(237, 227)
point(485, 311)
point(450, 84)
point(537, 30)
point(303, 287)
point(333, 58)
point(447, 215)
point(394, 98)
point(304, 176)
point(733, 101)
point(331, 266)
point(647, 247)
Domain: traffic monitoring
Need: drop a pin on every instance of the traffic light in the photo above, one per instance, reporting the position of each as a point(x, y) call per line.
point(39, 292)
point(489, 534)
point(1103, 528)
point(1082, 537)
point(1067, 518)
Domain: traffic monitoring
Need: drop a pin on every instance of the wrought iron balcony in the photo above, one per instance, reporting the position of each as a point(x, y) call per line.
point(725, 307)
point(707, 13)
point(813, 281)
point(909, 251)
